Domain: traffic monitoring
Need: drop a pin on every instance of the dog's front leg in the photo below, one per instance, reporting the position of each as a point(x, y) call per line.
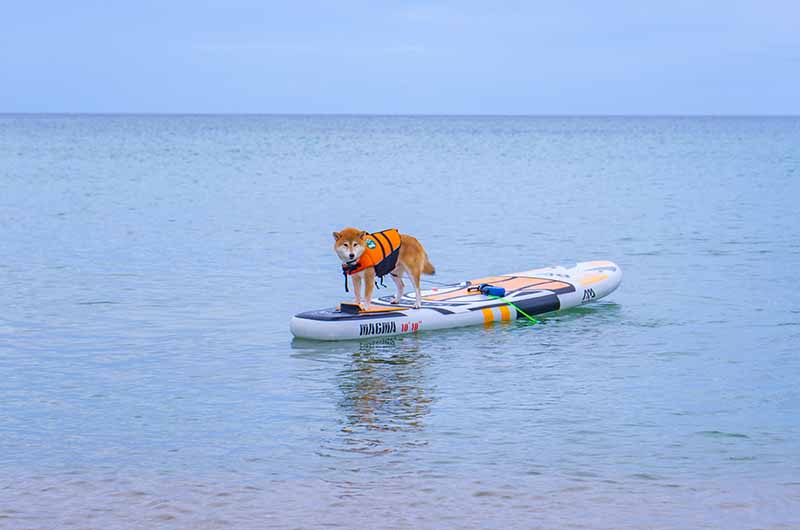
point(369, 285)
point(357, 287)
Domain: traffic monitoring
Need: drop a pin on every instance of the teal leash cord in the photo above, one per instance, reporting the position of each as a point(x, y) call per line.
point(526, 315)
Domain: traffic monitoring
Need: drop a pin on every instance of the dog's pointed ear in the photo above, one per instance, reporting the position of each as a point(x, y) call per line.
point(362, 234)
point(336, 236)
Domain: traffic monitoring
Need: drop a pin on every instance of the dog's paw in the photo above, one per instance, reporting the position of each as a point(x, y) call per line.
point(417, 305)
point(395, 301)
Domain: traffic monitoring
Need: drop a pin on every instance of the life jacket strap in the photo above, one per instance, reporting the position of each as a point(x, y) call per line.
point(350, 266)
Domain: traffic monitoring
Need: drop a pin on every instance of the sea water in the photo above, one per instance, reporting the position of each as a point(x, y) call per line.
point(149, 266)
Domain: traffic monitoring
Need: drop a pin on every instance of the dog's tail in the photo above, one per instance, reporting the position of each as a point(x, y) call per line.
point(428, 267)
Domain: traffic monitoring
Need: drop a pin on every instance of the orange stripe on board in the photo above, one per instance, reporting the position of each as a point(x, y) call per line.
point(382, 309)
point(505, 314)
point(448, 295)
point(593, 279)
point(514, 284)
point(465, 292)
point(490, 279)
point(510, 284)
point(552, 286)
point(488, 315)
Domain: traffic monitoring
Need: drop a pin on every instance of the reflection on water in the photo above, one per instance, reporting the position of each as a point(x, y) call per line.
point(385, 393)
point(383, 389)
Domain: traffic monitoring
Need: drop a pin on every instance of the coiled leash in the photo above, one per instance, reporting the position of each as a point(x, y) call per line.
point(498, 293)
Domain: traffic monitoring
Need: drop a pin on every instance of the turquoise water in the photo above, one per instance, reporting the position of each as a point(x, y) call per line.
point(150, 264)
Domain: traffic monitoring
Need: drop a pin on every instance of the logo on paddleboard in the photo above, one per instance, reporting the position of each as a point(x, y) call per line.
point(378, 328)
point(370, 244)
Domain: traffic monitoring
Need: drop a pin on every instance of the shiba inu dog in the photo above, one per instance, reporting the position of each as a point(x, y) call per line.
point(365, 256)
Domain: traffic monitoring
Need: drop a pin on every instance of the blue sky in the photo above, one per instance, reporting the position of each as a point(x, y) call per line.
point(426, 57)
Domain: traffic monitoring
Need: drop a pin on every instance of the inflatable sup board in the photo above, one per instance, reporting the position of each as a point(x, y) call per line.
point(531, 292)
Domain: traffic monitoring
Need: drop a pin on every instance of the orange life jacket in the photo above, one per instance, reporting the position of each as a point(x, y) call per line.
point(382, 250)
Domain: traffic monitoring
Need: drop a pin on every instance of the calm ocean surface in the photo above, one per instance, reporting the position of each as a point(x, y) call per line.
point(149, 266)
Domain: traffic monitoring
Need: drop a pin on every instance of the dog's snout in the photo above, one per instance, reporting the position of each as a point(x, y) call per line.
point(352, 255)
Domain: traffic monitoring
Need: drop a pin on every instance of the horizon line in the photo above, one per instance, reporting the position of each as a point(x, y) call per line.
point(405, 115)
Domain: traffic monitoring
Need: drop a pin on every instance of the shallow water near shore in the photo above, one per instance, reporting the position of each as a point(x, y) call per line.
point(150, 265)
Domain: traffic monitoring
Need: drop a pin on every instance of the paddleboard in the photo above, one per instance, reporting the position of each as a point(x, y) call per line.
point(532, 292)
